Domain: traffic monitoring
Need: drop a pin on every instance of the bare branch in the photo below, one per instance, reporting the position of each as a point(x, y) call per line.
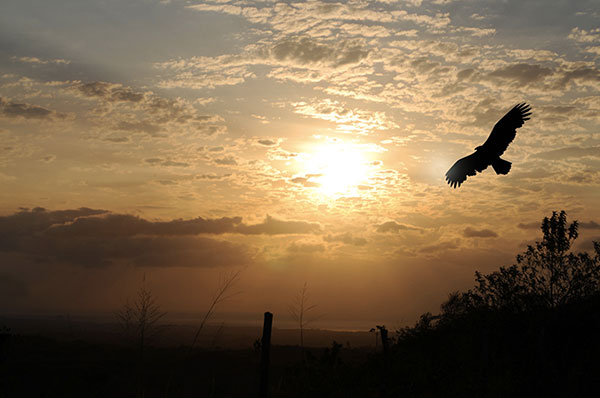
point(225, 284)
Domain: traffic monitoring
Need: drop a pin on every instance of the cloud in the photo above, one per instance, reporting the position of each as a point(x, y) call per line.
point(521, 74)
point(306, 51)
point(267, 142)
point(166, 163)
point(392, 226)
point(93, 238)
point(140, 126)
point(281, 154)
point(439, 247)
point(302, 17)
point(130, 225)
point(305, 181)
point(569, 152)
point(272, 226)
point(590, 225)
point(346, 238)
point(32, 222)
point(476, 32)
point(585, 36)
point(353, 29)
point(344, 45)
point(305, 248)
point(206, 72)
point(145, 111)
point(347, 120)
point(531, 225)
point(593, 50)
point(226, 161)
point(588, 245)
point(479, 233)
point(298, 58)
point(111, 92)
point(14, 110)
point(115, 139)
point(212, 176)
point(582, 75)
point(438, 21)
point(554, 114)
point(39, 61)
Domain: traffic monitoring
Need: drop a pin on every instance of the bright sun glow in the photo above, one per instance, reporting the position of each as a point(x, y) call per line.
point(338, 167)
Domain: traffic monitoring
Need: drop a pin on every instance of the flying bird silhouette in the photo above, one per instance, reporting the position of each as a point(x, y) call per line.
point(489, 153)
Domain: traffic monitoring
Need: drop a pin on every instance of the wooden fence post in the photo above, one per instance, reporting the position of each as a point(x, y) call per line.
point(264, 356)
point(383, 393)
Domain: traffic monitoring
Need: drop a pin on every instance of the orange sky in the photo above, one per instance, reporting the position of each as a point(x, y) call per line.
point(302, 141)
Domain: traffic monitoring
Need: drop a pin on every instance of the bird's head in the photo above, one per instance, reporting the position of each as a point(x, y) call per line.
point(478, 148)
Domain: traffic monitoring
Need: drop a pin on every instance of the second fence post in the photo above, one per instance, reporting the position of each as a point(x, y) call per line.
point(264, 356)
point(385, 344)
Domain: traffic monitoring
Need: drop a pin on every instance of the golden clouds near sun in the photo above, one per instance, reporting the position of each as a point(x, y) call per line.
point(337, 168)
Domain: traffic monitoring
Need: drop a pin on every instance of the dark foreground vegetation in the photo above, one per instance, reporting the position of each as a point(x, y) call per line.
point(531, 329)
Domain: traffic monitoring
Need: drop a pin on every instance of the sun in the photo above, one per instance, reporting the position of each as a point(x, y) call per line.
point(338, 168)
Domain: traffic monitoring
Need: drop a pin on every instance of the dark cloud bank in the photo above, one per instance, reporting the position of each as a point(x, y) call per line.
point(93, 237)
point(9, 109)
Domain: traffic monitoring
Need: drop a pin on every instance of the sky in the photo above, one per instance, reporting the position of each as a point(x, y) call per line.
point(299, 142)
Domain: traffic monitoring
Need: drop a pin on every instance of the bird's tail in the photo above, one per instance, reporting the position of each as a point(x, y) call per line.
point(501, 166)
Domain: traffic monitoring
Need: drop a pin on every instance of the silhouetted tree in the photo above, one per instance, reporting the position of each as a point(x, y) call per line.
point(300, 310)
point(529, 329)
point(138, 320)
point(455, 305)
point(547, 275)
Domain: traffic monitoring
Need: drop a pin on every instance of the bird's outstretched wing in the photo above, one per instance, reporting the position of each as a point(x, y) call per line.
point(505, 130)
point(467, 166)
